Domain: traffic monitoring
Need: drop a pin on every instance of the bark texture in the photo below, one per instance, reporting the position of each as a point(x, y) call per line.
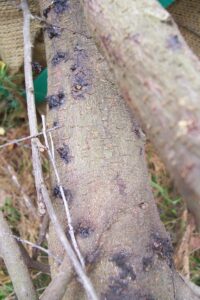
point(100, 154)
point(159, 77)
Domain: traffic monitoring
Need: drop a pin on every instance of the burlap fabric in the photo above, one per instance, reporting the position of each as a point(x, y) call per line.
point(185, 12)
point(187, 15)
point(11, 32)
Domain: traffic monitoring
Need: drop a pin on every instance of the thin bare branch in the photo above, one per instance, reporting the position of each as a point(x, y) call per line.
point(17, 141)
point(38, 247)
point(31, 263)
point(27, 201)
point(57, 288)
point(42, 192)
point(52, 146)
point(16, 267)
point(42, 234)
point(69, 219)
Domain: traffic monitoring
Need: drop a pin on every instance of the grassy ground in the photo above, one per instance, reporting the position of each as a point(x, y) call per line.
point(13, 124)
point(178, 222)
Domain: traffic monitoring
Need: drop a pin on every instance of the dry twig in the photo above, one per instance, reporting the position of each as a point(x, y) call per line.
point(38, 247)
point(57, 288)
point(27, 201)
point(42, 192)
point(42, 234)
point(69, 219)
point(16, 267)
point(26, 138)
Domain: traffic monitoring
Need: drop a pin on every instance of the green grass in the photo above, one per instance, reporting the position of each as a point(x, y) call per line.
point(10, 97)
point(195, 267)
point(6, 290)
point(169, 205)
point(10, 212)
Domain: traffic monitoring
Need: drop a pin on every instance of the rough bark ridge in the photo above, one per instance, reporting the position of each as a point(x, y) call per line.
point(159, 78)
point(100, 153)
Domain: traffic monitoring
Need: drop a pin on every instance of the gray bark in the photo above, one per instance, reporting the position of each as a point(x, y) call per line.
point(100, 155)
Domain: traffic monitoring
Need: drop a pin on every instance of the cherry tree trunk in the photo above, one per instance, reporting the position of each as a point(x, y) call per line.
point(158, 76)
point(100, 155)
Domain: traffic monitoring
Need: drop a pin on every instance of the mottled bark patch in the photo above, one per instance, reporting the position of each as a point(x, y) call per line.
point(53, 31)
point(67, 193)
point(93, 257)
point(55, 123)
point(136, 129)
point(163, 248)
point(147, 263)
point(55, 101)
point(58, 6)
point(140, 151)
point(59, 57)
point(121, 261)
point(174, 43)
point(121, 185)
point(120, 292)
point(81, 76)
point(118, 287)
point(84, 229)
point(64, 153)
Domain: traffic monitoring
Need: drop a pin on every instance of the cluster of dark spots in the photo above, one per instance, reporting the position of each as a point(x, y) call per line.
point(163, 248)
point(117, 287)
point(55, 123)
point(121, 185)
point(53, 31)
point(64, 153)
point(147, 263)
point(141, 295)
point(59, 57)
point(47, 10)
point(142, 205)
point(120, 259)
point(58, 6)
point(173, 42)
point(136, 130)
point(55, 100)
point(84, 229)
point(81, 76)
point(73, 67)
point(67, 193)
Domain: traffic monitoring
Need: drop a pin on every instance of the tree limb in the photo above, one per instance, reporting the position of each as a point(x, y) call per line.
point(17, 269)
point(57, 288)
point(42, 192)
point(159, 77)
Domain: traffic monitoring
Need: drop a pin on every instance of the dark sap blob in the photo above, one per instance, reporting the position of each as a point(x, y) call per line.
point(163, 248)
point(121, 260)
point(147, 263)
point(55, 101)
point(64, 153)
point(59, 57)
point(53, 31)
point(58, 6)
point(67, 192)
point(81, 76)
point(84, 229)
point(173, 42)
